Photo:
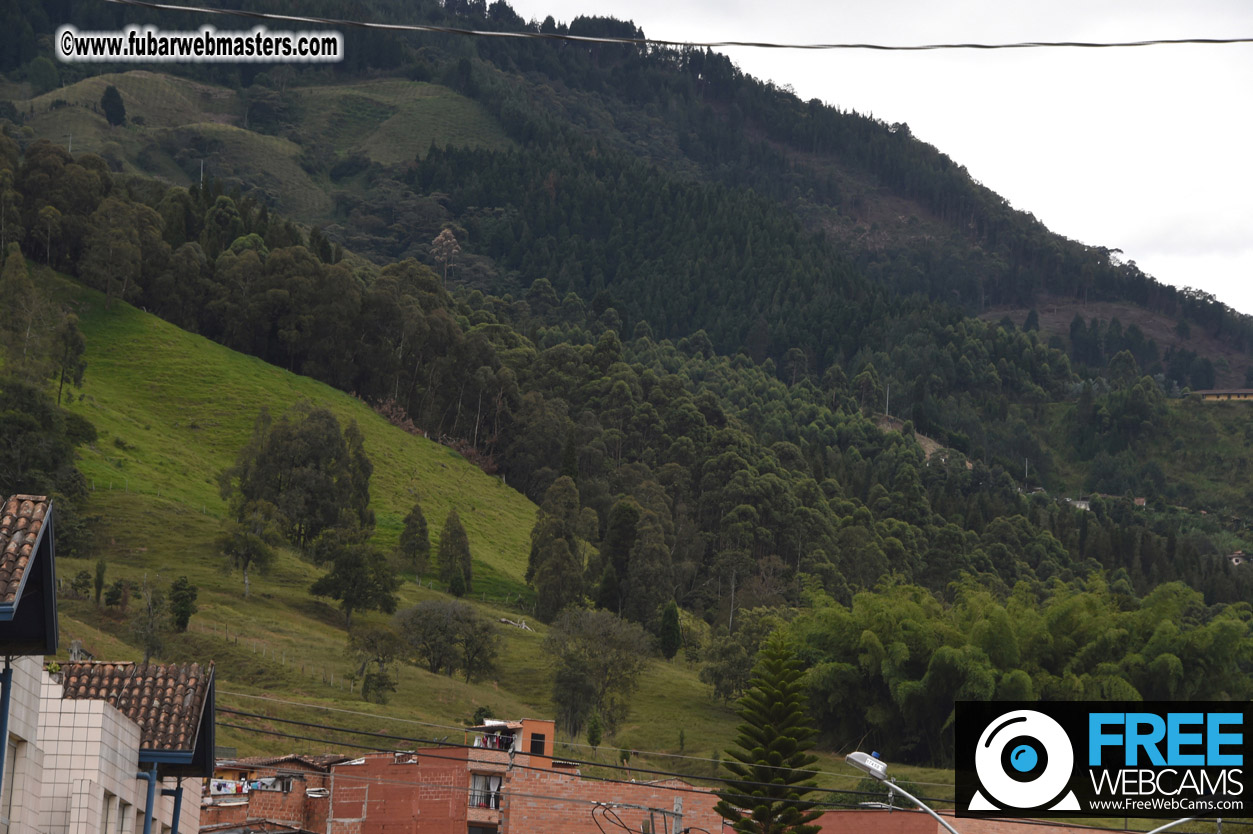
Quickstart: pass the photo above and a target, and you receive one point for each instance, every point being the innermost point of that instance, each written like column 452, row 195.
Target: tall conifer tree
column 454, row 553
column 769, row 766
column 414, row 547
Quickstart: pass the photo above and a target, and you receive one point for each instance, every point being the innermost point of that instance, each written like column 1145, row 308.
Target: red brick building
column 500, row 779
column 268, row 793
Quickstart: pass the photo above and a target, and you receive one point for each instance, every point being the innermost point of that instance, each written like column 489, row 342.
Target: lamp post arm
column 1171, row 824
column 893, row 786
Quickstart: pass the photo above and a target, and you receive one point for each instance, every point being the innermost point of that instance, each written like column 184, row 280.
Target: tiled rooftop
column 22, row 519
column 322, row 761
column 166, row 701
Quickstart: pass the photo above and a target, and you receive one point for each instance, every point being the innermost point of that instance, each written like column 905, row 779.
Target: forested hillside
column 665, row 302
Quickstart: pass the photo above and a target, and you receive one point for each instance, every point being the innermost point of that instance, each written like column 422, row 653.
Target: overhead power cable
column 831, row 792
column 428, row 754
column 571, row 744
column 832, row 802
column 529, row 34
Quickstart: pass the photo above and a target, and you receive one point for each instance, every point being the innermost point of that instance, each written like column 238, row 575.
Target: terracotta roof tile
column 166, row 701
column 322, row 761
column 20, row 523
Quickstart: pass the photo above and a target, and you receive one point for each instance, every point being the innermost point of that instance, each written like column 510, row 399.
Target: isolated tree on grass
column 728, row 665
column 182, row 602
column 770, row 773
column 375, row 648
column 445, row 635
column 595, row 732
column 316, row 474
column 478, row 643
column 414, row 548
column 111, row 104
column 70, row 348
column 118, row 595
column 248, row 542
column 360, row 577
column 670, row 637
column 151, row 621
column 80, row 587
column 429, row 630
column 598, row 658
column 98, row 579
column 454, row 554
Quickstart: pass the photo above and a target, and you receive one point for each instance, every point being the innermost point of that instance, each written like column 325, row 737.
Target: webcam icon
column 1024, row 761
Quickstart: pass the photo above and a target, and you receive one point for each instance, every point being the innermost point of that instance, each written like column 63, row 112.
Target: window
column 485, row 791
column 109, row 801
column 481, row 829
column 537, row 744
column 480, row 791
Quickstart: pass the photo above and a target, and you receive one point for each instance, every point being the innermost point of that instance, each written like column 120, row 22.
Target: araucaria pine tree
column 770, row 765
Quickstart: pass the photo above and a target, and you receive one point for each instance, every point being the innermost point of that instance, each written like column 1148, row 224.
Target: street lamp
column 878, row 768
column 1180, row 822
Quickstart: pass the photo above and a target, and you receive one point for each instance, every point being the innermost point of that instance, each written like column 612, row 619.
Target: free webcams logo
column 1144, row 759
column 1024, row 760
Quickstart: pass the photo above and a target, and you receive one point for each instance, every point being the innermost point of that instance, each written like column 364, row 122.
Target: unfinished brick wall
column 293, row 808
column 428, row 792
column 220, row 815
column 278, row 806
column 396, row 794
column 557, row 803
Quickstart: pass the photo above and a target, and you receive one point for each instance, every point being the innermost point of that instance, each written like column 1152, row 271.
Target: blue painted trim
column 6, row 692
column 10, row 609
column 151, row 776
column 165, row 756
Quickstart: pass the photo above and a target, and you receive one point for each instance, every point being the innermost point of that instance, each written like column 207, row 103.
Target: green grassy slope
column 172, row 409
column 389, row 121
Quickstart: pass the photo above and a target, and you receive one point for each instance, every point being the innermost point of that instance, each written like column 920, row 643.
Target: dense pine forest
column 670, row 312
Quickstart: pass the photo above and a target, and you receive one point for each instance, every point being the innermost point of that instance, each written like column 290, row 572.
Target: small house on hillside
column 1224, row 394
column 268, row 793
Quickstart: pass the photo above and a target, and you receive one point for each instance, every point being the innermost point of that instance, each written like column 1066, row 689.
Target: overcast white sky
column 1145, row 150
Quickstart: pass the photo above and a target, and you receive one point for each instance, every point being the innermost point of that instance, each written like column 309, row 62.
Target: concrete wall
column 91, row 759
column 24, row 769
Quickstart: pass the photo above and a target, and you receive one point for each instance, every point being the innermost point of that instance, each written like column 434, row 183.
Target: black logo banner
column 1102, row 758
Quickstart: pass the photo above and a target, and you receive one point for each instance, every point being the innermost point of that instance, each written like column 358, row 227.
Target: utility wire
column 463, row 729
column 380, row 780
column 602, row 780
column 836, row 797
column 467, row 758
column 529, row 34
column 832, row 803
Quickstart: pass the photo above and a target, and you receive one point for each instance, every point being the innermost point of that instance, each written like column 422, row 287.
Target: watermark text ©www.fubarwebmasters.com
column 147, row 43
